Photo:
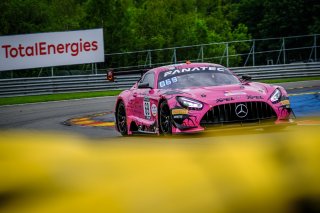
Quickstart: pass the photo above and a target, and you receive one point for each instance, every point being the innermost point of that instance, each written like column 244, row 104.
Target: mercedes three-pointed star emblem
column 241, row 110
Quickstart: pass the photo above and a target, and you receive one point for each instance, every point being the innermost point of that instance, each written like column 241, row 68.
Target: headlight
column 189, row 103
column 276, row 96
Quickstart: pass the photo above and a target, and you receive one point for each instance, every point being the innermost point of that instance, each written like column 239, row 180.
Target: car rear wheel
column 121, row 119
column 165, row 118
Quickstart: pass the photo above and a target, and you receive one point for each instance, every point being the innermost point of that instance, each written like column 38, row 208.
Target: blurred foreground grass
column 50, row 172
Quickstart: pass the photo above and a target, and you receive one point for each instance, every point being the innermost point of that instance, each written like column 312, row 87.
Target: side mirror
column 246, row 78
column 143, row 85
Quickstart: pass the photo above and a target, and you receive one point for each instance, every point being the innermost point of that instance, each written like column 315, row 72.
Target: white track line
column 306, row 93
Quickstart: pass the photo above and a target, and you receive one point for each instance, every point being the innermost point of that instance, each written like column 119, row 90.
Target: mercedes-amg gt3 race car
column 182, row 98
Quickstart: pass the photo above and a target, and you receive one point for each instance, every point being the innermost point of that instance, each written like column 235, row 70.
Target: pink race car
column 182, row 98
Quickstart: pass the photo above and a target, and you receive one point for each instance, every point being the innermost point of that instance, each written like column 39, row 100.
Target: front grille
column 239, row 113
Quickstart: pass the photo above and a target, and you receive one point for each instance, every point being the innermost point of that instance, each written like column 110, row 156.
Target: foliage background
column 148, row 24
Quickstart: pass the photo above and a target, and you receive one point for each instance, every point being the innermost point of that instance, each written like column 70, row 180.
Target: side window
column 149, row 78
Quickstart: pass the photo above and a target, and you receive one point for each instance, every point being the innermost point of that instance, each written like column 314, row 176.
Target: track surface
column 305, row 99
column 51, row 115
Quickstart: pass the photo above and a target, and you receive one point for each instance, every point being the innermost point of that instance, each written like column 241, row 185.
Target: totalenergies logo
column 43, row 48
column 51, row 49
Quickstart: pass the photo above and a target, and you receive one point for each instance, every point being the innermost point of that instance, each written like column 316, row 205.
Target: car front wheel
column 121, row 119
column 165, row 118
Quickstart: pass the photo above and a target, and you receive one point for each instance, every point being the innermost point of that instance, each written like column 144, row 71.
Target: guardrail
column 63, row 84
column 279, row 71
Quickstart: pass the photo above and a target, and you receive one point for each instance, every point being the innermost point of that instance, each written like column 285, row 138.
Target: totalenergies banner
column 51, row 49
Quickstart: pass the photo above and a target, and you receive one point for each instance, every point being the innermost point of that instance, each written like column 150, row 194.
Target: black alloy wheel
column 121, row 119
column 165, row 118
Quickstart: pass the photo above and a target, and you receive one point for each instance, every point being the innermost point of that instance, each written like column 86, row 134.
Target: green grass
column 55, row 97
column 78, row 95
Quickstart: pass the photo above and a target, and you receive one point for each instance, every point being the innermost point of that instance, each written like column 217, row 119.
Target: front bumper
column 259, row 114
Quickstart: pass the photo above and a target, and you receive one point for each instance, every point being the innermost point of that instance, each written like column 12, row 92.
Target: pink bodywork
column 209, row 96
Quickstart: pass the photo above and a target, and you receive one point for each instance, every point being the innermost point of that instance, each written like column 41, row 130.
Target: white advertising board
column 51, row 49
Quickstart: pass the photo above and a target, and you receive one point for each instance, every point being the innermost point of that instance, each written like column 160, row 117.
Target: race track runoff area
column 233, row 171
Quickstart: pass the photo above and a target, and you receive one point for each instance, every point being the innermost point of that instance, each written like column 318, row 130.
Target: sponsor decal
column 224, row 99
column 154, row 110
column 285, row 102
column 179, row 116
column 254, row 97
column 44, row 48
column 232, row 93
column 179, row 111
column 51, row 49
column 146, row 108
column 167, row 82
column 192, row 69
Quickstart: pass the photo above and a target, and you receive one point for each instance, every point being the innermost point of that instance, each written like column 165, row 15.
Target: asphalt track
column 93, row 117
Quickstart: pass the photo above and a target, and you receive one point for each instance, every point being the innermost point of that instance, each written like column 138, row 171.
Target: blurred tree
column 66, row 14
column 117, row 17
column 283, row 18
column 23, row 16
column 268, row 18
column 131, row 25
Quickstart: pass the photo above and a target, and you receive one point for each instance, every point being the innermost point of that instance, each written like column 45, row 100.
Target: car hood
column 226, row 93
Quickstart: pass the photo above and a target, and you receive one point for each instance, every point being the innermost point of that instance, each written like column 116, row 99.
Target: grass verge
column 56, row 97
column 79, row 95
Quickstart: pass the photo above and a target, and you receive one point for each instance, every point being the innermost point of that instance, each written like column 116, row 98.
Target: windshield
column 196, row 77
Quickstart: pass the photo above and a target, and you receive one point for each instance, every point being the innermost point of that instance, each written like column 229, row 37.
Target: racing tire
column 121, row 119
column 165, row 122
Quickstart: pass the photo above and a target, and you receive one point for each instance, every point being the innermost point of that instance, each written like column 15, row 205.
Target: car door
column 145, row 101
